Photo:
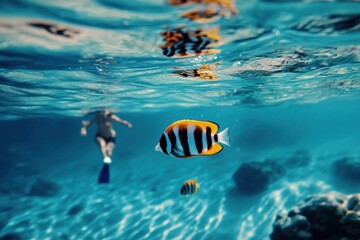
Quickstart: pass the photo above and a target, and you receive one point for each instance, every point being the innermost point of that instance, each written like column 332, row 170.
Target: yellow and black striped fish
column 182, row 43
column 202, row 16
column 186, row 138
column 204, row 72
column 224, row 4
column 189, row 187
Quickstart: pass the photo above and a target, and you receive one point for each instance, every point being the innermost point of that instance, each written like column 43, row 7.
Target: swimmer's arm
column 119, row 120
column 86, row 124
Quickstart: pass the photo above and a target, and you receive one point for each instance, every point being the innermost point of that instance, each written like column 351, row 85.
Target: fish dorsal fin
column 216, row 148
column 203, row 124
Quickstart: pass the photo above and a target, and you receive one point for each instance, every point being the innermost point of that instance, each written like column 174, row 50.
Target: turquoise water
column 285, row 79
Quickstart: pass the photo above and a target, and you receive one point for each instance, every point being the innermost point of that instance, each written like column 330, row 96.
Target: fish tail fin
column 104, row 176
column 158, row 148
column 223, row 137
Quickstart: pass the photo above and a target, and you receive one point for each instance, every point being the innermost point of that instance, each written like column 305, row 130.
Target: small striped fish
column 189, row 187
column 186, row 138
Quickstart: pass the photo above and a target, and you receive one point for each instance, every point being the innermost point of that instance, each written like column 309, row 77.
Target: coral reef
column 347, row 168
column 43, row 188
column 329, row 216
column 255, row 177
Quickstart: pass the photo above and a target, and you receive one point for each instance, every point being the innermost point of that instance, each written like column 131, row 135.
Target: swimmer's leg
column 110, row 147
column 104, row 176
column 102, row 145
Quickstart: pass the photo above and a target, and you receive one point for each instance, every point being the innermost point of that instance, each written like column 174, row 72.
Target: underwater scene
column 180, row 119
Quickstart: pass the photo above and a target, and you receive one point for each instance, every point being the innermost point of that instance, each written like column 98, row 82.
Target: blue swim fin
column 104, row 176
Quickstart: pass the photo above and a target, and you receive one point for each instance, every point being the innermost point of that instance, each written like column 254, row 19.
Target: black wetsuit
column 107, row 139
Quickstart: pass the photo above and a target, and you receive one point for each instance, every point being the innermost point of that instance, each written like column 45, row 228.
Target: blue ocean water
column 285, row 79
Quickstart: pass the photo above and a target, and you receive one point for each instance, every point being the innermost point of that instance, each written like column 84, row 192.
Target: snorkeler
column 105, row 135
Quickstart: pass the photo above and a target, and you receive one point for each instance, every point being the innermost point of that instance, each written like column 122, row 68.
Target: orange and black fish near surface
column 186, row 138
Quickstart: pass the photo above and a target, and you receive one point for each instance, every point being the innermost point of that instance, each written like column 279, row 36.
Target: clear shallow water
column 143, row 200
column 287, row 79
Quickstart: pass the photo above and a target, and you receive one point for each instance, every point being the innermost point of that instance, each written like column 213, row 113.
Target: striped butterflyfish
column 189, row 187
column 186, row 138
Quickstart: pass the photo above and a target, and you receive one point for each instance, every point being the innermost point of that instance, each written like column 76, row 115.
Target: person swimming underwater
column 105, row 135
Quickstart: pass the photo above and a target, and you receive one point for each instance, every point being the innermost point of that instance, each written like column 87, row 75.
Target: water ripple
column 56, row 56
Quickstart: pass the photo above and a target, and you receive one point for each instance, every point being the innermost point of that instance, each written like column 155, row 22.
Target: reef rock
column 75, row 209
column 255, row 177
column 10, row 236
column 43, row 188
column 347, row 168
column 327, row 217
